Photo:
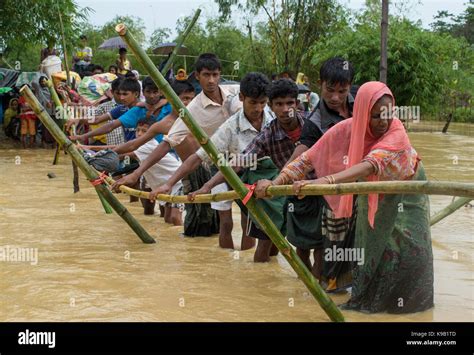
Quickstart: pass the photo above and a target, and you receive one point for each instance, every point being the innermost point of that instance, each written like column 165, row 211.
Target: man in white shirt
column 230, row 139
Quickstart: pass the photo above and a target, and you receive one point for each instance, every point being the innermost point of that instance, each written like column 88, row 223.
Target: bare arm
column 155, row 156
column 354, row 173
column 187, row 167
column 156, row 128
column 99, row 119
column 109, row 127
column 300, row 149
column 96, row 147
column 134, row 144
column 215, row 180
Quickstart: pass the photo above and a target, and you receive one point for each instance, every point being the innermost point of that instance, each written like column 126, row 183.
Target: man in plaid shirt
column 277, row 140
column 115, row 137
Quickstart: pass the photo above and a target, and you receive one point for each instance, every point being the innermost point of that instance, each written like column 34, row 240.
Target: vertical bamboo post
column 180, row 42
column 451, row 208
column 262, row 218
column 59, row 112
column 68, row 78
column 90, row 173
column 383, row 42
column 63, row 116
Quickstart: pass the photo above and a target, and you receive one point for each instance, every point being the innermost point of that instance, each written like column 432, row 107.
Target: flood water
column 92, row 267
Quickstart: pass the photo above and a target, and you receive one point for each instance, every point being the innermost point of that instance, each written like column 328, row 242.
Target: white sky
column 164, row 13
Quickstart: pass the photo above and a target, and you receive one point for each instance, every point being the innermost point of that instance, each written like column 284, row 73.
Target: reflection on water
column 91, row 267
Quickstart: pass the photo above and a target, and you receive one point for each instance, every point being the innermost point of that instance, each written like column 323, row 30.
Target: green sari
column 397, row 273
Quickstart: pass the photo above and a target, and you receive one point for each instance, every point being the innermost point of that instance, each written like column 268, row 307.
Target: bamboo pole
column 60, row 113
column 451, row 208
column 359, row 188
column 75, row 177
column 383, row 42
column 90, row 173
column 262, row 218
column 68, row 77
column 180, row 42
column 63, row 116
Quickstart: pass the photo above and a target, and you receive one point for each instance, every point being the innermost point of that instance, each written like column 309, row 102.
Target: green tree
column 133, row 23
column 38, row 21
column 423, row 67
column 27, row 26
column 458, row 26
column 160, row 35
column 292, row 27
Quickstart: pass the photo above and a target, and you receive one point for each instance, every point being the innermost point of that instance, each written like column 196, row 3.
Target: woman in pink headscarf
column 394, row 272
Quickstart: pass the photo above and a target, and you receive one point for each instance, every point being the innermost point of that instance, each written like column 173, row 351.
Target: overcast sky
column 164, row 13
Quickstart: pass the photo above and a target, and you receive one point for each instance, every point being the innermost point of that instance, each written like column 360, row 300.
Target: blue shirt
column 131, row 118
column 117, row 112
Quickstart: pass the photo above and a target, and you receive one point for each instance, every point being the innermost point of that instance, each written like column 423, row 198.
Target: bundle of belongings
column 104, row 160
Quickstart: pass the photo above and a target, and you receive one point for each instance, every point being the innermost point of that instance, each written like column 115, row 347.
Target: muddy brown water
column 91, row 267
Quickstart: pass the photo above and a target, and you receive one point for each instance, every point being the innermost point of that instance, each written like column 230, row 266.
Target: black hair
column 100, row 67
column 122, row 50
column 180, row 87
column 146, row 121
column 83, row 37
column 254, row 85
column 116, row 84
column 282, row 88
column 128, row 84
column 41, row 78
column 336, row 70
column 148, row 83
column 113, row 66
column 208, row 61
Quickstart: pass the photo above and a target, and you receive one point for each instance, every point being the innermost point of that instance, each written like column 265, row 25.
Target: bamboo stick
column 451, row 208
column 90, row 173
column 68, row 77
column 262, row 218
column 359, row 188
column 59, row 112
column 75, row 177
column 180, row 42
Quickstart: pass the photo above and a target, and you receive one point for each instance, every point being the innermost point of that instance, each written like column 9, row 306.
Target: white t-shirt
column 160, row 172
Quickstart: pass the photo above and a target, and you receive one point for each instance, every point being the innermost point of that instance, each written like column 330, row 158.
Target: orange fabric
column 349, row 141
column 28, row 126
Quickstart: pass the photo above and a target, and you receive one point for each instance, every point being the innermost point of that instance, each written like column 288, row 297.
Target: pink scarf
column 349, row 141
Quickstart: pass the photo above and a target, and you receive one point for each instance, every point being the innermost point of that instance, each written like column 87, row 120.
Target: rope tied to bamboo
column 101, row 179
column 250, row 193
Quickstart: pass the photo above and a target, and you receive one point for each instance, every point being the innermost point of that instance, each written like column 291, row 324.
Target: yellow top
column 126, row 64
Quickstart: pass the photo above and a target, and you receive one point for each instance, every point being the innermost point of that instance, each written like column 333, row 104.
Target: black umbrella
column 167, row 48
column 303, row 89
column 113, row 43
